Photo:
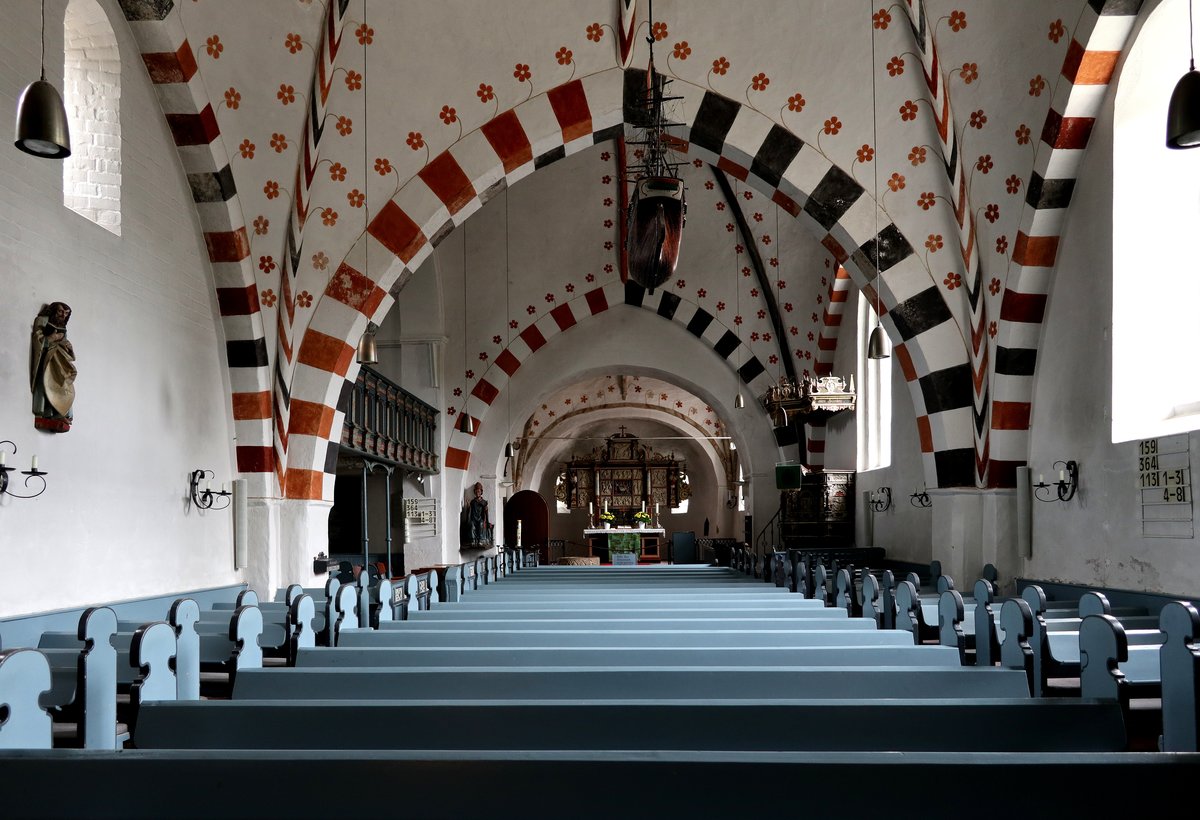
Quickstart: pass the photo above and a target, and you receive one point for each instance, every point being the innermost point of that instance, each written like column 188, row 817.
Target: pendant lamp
column 368, row 353
column 41, row 116
column 1183, row 114
column 877, row 346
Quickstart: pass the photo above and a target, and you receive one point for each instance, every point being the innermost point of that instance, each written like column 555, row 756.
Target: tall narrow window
column 92, row 94
column 1155, row 277
column 874, row 427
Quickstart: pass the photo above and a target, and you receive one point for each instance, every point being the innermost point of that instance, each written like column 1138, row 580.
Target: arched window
column 874, row 408
column 92, row 94
column 1156, row 207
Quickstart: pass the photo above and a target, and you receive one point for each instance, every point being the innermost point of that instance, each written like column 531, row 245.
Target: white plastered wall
column 151, row 406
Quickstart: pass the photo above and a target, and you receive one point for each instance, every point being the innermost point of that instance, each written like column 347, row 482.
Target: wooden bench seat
column 494, row 656
column 625, row 638
column 588, row 683
column 1000, row 725
column 506, row 624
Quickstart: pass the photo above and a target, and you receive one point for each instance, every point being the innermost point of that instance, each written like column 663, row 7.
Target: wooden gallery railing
column 387, row 421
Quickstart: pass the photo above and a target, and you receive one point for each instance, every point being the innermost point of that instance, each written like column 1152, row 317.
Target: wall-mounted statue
column 52, row 369
column 479, row 522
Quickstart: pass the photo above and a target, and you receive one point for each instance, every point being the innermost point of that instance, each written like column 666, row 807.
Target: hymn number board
column 1164, row 485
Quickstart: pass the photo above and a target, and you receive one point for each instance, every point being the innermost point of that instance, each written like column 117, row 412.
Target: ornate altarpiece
column 625, row 473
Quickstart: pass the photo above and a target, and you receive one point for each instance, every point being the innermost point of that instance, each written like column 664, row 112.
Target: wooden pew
column 559, row 683
column 633, row 622
column 627, row 638
column 996, row 725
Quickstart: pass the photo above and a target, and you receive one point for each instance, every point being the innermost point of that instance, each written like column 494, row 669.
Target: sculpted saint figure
column 52, row 369
column 478, row 521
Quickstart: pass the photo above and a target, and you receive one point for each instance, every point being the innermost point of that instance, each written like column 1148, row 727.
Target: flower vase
column 608, row 525
column 641, row 525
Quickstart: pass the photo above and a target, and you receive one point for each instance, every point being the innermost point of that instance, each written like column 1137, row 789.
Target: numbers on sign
column 1147, row 463
column 1148, row 447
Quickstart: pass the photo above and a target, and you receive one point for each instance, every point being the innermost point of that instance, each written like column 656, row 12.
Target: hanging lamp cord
column 1191, row 39
column 875, row 165
column 43, row 40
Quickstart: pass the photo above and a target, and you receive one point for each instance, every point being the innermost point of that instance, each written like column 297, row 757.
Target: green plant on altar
column 642, row 516
column 607, row 516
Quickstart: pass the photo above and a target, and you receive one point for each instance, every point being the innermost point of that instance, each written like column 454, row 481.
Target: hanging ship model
column 657, row 206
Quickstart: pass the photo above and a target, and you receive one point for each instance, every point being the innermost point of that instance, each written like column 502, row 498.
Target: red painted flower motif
column 773, row 261
column 320, row 261
column 747, row 195
column 293, row 43
column 1056, row 31
column 337, row 172
column 1022, row 134
column 720, row 66
column 958, row 20
column 787, row 306
column 514, row 324
column 746, row 271
column 754, row 336
column 895, row 66
column 485, row 93
column 926, row 200
column 383, row 166
column 881, row 19
column 908, row 111
column 344, row 125
column 832, row 126
column 594, row 32
column 268, row 298
column 782, row 284
column 458, row 391
column 232, row 98
column 994, row 286
column 608, row 223
column 606, row 180
column 773, row 359
column 984, row 163
column 758, row 217
column 564, row 56
column 682, row 50
column 266, row 264
column 934, row 242
column 356, row 198
column 608, row 201
column 214, row 46
column 304, row 299
column 549, row 297
column 814, row 317
column 521, row 72
column 659, row 31
column 737, row 320
column 760, row 81
column 729, row 227
column 969, row 72
column 992, row 212
column 483, row 357
column 415, row 140
column 720, row 306
column 570, row 288
column 1013, row 184
column 865, row 154
column 286, row 94
column 720, row 206
column 1036, row 86
column 608, row 245
column 992, row 329
column 261, row 225
column 811, row 336
column 952, row 280
column 762, row 314
column 754, row 293
column 766, row 337
column 365, row 34
column 354, row 80
column 681, row 283
column 737, row 248
column 246, row 149
column 279, row 142
column 271, row 189
column 605, row 156
column 794, row 330
column 530, row 309
column 978, row 119
column 1001, row 244
column 701, row 293
column 896, row 182
column 796, row 102
column 329, row 216
column 470, row 374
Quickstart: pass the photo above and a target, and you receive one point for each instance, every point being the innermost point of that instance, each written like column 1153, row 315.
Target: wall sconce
column 205, row 498
column 881, row 499
column 1064, row 488
column 31, row 473
column 920, row 499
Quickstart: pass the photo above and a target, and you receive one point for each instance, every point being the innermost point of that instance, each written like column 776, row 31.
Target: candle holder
column 920, row 499
column 32, row 473
column 1064, row 488
column 881, row 499
column 206, row 499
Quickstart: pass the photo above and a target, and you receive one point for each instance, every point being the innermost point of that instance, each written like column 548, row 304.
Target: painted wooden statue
column 52, row 369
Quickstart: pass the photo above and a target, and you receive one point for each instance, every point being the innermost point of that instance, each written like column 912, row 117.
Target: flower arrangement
column 643, row 516
column 607, row 516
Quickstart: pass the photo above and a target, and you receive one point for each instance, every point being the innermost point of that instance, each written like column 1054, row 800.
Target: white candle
column 643, row 506
column 1041, row 478
column 606, row 505
column 589, row 508
column 208, row 486
column 656, row 509
column 33, row 463
column 1062, row 475
column 224, row 488
column 518, row 532
column 3, row 457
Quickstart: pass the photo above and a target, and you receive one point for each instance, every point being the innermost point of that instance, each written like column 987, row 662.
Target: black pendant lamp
column 41, row 116
column 877, row 345
column 1183, row 115
column 368, row 352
